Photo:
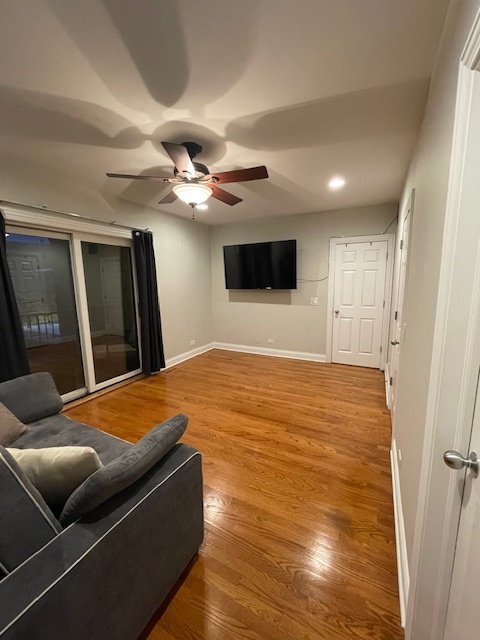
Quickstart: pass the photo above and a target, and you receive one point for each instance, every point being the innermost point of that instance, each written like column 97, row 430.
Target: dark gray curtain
column 153, row 358
column 13, row 353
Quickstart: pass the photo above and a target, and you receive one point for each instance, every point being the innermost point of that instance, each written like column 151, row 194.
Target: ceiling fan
column 193, row 181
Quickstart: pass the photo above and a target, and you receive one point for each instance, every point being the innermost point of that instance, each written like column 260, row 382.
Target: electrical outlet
column 257, row 340
column 270, row 341
column 192, row 343
column 313, row 302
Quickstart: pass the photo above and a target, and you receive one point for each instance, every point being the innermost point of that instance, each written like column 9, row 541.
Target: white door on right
column 463, row 614
column 358, row 302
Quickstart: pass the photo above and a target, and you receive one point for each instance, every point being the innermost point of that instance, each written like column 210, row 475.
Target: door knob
column 337, row 311
column 394, row 342
column 456, row 461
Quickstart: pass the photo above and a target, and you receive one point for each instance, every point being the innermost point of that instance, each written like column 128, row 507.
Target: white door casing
column 359, row 278
column 399, row 326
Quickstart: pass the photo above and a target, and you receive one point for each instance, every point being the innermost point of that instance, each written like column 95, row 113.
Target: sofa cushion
column 57, row 471
column 31, row 397
column 124, row 471
column 60, row 431
column 27, row 522
column 10, row 426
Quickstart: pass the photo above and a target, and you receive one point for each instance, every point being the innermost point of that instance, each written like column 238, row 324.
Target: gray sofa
column 103, row 576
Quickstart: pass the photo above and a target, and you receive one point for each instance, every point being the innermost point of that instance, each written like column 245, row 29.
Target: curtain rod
column 44, row 207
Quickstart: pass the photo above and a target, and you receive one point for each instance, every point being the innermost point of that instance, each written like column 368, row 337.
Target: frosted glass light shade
column 192, row 192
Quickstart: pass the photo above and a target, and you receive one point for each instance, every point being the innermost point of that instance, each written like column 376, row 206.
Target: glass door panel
column 111, row 309
column 41, row 273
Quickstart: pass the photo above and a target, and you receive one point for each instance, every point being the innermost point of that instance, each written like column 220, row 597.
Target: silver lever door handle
column 394, row 342
column 456, row 461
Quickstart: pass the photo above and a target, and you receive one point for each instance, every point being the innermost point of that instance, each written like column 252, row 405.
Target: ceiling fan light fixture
column 192, row 193
column 202, row 206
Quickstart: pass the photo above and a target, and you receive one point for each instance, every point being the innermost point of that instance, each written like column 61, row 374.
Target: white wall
column 182, row 249
column 428, row 174
column 240, row 317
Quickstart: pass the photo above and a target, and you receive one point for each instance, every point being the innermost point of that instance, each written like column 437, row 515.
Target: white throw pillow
column 57, row 471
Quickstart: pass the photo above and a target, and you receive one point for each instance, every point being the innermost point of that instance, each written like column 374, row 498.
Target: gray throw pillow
column 125, row 470
column 10, row 426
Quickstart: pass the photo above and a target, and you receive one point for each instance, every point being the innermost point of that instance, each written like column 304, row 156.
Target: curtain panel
column 153, row 358
column 13, row 353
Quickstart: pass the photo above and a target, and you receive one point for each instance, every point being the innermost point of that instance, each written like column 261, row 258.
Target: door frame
column 81, row 287
column 396, row 307
column 22, row 220
column 387, row 296
column 450, row 407
column 45, row 232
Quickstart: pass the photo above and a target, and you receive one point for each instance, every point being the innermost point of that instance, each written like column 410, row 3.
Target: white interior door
column 24, row 271
column 358, row 302
column 438, row 607
column 463, row 612
column 463, row 617
column 399, row 325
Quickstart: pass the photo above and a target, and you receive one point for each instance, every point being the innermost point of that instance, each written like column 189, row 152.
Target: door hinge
column 391, row 381
column 401, row 244
column 381, row 348
column 387, row 256
column 396, row 315
column 384, row 304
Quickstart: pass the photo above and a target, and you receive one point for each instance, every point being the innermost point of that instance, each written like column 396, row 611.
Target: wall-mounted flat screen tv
column 262, row 265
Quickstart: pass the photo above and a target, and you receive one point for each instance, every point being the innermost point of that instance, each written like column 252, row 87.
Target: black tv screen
column 263, row 265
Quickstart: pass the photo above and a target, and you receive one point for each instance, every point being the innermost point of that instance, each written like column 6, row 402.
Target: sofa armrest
column 105, row 575
column 31, row 397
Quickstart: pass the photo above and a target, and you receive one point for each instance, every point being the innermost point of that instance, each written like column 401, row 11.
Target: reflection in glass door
column 111, row 309
column 40, row 266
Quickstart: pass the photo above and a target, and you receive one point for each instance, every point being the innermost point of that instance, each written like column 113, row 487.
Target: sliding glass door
column 40, row 267
column 111, row 309
column 77, row 302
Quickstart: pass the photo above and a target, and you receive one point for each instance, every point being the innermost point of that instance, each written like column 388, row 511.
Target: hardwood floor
column 299, row 540
column 112, row 356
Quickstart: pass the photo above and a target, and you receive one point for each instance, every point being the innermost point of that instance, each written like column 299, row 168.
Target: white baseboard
column 402, row 558
column 278, row 353
column 171, row 362
column 265, row 351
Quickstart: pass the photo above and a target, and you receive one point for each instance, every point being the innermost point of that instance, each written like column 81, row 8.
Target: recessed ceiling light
column 337, row 183
column 201, row 206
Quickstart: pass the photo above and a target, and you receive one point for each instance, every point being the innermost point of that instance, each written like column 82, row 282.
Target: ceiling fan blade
column 170, row 197
column 224, row 196
column 130, row 177
column 240, row 175
column 180, row 157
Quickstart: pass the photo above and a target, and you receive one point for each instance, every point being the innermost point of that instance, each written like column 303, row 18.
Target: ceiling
column 311, row 89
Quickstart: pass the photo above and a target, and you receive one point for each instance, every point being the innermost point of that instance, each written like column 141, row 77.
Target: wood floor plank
column 299, row 541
